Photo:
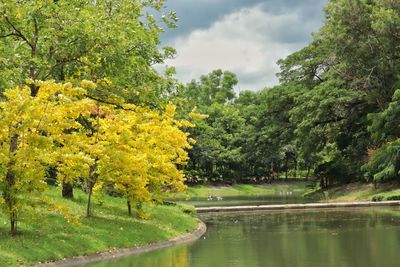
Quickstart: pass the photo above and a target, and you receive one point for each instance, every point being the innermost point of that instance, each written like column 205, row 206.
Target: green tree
column 217, row 153
column 216, row 87
column 82, row 39
column 384, row 156
column 116, row 42
column 347, row 72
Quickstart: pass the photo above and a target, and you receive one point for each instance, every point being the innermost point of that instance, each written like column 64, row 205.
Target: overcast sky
column 246, row 37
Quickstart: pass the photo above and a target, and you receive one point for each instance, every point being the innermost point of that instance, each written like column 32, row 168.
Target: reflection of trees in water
column 329, row 238
column 356, row 237
column 170, row 257
column 317, row 220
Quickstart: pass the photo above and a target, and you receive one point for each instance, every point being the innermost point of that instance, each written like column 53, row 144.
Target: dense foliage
column 89, row 109
column 134, row 149
column 334, row 115
column 84, row 39
column 101, row 120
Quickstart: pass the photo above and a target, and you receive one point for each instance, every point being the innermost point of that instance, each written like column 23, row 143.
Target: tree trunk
column 89, row 202
column 10, row 183
column 209, row 169
column 295, row 168
column 67, row 190
column 13, row 223
column 322, row 182
column 10, row 201
column 92, row 180
column 34, row 89
column 286, row 167
column 129, row 208
column 278, row 169
column 308, row 172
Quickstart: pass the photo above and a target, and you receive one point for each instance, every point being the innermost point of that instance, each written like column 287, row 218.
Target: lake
column 363, row 237
column 248, row 200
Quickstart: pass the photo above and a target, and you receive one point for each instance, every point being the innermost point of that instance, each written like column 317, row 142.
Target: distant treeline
column 335, row 115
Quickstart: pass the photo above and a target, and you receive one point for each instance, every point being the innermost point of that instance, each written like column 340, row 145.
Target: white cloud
column 247, row 42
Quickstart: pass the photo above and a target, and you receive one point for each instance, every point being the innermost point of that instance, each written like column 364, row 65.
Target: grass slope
column 357, row 192
column 201, row 191
column 50, row 237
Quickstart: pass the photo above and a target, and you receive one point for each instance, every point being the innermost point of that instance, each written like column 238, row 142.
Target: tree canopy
column 88, row 103
column 83, row 39
column 334, row 111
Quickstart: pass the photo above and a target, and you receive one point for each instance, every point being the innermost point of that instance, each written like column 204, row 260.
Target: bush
column 187, row 209
column 168, row 203
column 394, row 197
column 195, row 177
column 377, row 198
column 314, row 195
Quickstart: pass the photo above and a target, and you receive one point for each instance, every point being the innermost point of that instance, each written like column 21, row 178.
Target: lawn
column 49, row 236
column 357, row 192
column 202, row 191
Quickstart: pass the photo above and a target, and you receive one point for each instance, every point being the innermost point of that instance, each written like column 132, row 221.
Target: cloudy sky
column 246, row 37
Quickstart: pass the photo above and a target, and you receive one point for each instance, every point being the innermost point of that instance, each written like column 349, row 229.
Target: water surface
column 248, row 200
column 329, row 238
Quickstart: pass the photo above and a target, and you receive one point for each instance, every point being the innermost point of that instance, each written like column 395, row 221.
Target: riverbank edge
column 125, row 252
column 298, row 206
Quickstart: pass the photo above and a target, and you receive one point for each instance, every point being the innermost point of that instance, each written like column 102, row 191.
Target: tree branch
column 36, row 35
column 18, row 32
column 8, row 35
column 103, row 101
column 116, row 105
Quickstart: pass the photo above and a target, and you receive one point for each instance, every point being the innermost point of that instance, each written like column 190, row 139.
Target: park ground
column 357, row 192
column 341, row 193
column 238, row 190
column 48, row 236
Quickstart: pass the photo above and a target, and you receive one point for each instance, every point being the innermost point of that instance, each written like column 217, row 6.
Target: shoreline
column 125, row 252
column 201, row 229
column 332, row 205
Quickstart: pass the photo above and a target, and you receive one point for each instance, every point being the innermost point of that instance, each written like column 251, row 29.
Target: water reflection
column 363, row 237
column 172, row 257
column 248, row 200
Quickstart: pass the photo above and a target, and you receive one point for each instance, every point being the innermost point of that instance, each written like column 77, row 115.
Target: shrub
column 188, row 209
column 394, row 197
column 377, row 198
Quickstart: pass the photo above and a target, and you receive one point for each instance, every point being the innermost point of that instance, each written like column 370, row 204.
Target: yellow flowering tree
column 152, row 147
column 30, row 131
column 136, row 149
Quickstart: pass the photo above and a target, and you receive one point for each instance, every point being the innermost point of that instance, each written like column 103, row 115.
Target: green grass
column 388, row 195
column 200, row 191
column 49, row 237
column 357, row 192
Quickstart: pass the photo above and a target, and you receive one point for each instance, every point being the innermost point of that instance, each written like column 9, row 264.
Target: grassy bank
column 343, row 193
column 201, row 191
column 358, row 192
column 49, row 237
